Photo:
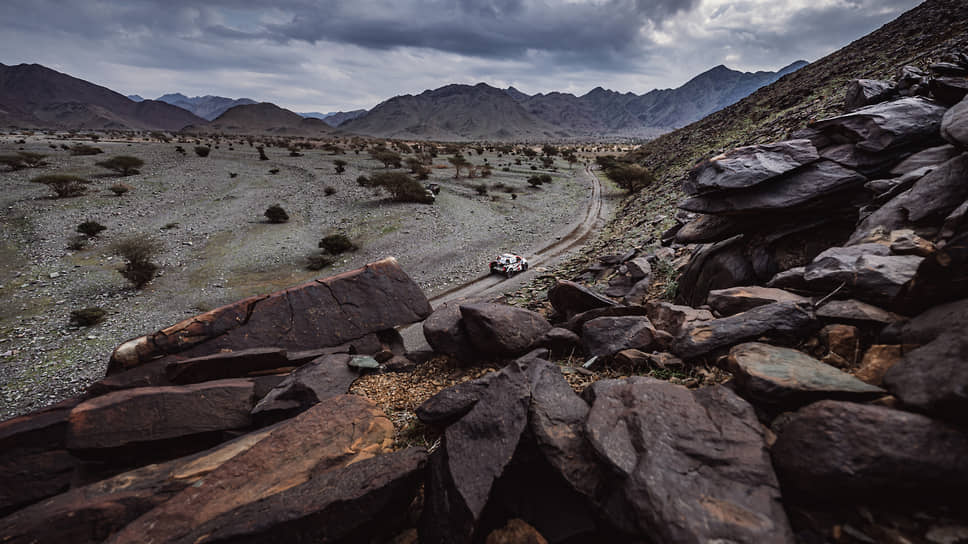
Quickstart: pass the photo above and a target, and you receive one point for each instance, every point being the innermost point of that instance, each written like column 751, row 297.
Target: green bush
column 63, row 185
column 401, row 187
column 318, row 262
column 202, row 151
column 124, row 165
column 90, row 228
column 336, row 244
column 120, row 188
column 88, row 317
column 481, row 189
column 77, row 242
column 275, row 214
column 329, row 190
column 630, row 177
column 137, row 251
column 82, row 149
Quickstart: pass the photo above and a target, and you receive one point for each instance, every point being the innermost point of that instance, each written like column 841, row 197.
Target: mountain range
column 35, row 96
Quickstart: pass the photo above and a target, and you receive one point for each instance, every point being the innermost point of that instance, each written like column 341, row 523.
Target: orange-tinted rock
column 517, row 531
column 877, row 361
column 320, row 313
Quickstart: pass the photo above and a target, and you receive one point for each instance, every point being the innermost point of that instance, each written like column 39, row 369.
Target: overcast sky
column 345, row 54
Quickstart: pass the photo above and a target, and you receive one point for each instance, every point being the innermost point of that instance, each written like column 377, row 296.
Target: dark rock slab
column 559, row 340
column 950, row 69
column 930, row 199
column 867, row 163
column 855, row 311
column 791, row 191
column 337, row 432
column 745, row 167
column 320, row 313
column 673, row 318
column 92, row 513
column 868, row 271
column 606, row 336
column 785, row 379
column 846, row 450
column 474, row 453
column 941, row 276
column 444, row 331
column 715, row 266
column 452, row 403
column 864, row 92
column 933, row 156
column 934, row 378
column 948, row 90
column 569, row 298
column 722, row 488
column 363, row 502
column 502, row 330
column 954, row 127
column 578, row 321
column 740, row 299
column 639, row 268
column 709, row 228
column 791, row 279
column 320, row 379
column 233, row 364
column 779, row 318
column 888, row 125
column 149, row 414
column 151, row 374
column 930, row 324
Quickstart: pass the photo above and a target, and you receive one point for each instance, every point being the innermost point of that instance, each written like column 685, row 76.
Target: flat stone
column 723, row 485
column 560, row 340
column 794, row 190
column 934, row 378
column 335, row 433
column 949, row 90
column 452, row 403
column 867, row 163
column 887, row 125
column 735, row 300
column 606, row 336
column 318, row 380
column 578, row 321
column 785, row 379
column 320, row 313
column 234, row 364
column 639, row 268
column 855, row 311
column 502, row 330
column 779, row 318
column 867, row 270
column 707, row 229
column 930, row 157
column 858, row 451
column 954, row 127
column 673, row 318
column 748, row 166
column 149, row 414
column 569, row 298
column 864, row 92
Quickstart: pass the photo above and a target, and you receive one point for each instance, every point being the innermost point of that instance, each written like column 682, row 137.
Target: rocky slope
column 261, row 118
column 207, row 107
column 33, row 95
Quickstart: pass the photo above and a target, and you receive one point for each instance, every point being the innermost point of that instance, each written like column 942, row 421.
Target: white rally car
column 509, row 264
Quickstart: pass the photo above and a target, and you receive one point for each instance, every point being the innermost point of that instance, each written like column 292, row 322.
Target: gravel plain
column 218, row 247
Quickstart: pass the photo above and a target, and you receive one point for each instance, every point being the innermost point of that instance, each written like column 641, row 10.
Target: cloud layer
column 339, row 54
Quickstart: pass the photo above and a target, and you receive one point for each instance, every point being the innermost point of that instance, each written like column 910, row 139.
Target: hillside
column 264, row 117
column 920, row 36
column 453, row 112
column 207, row 107
column 33, row 95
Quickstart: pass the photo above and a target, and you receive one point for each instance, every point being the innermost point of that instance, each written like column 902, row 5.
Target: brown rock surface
column 569, row 298
column 232, row 364
column 502, row 330
column 878, row 359
column 335, row 433
column 779, row 318
column 739, row 299
column 320, row 313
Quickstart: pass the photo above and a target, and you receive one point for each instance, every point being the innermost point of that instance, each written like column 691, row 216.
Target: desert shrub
column 63, row 185
column 91, row 228
column 233, row 175
column 88, row 317
column 124, row 165
column 13, row 162
column 363, row 181
column 340, row 165
column 77, row 242
column 273, row 171
column 82, row 149
column 137, row 251
column 169, row 226
column 336, row 244
column 318, row 262
column 32, row 160
column 506, row 169
column 262, row 153
column 535, row 181
column 401, row 187
column 202, row 151
column 514, row 196
column 329, row 190
column 630, row 177
column 545, row 178
column 275, row 214
column 481, row 189
column 387, row 157
column 120, row 188
column 293, row 152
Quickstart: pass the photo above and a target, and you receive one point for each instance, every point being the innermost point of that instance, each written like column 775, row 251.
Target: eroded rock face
column 723, row 487
column 320, row 313
column 335, row 433
column 784, row 379
column 888, row 125
column 934, row 378
column 848, row 450
column 501, row 330
column 748, row 166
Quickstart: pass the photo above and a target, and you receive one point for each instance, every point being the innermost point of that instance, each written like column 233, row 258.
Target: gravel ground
column 219, row 248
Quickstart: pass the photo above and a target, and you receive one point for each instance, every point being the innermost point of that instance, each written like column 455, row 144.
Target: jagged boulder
column 502, row 330
column 777, row 319
column 864, row 92
column 715, row 266
column 855, row 311
column 930, row 158
column 642, row 428
column 606, row 336
column 232, row 364
column 948, row 90
column 847, row 450
column 868, row 271
column 735, row 300
column 934, row 378
column 745, row 167
column 569, row 298
column 954, row 127
column 444, row 331
column 320, row 313
column 335, row 433
column 785, row 379
column 887, row 126
column 320, row 379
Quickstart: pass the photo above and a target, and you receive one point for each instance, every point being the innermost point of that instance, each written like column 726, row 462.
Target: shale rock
column 835, row 449
column 779, row 318
column 954, row 127
column 739, row 299
column 934, row 378
column 785, row 379
column 335, row 433
column 748, row 166
column 716, row 266
column 855, row 311
column 569, row 298
column 606, row 336
column 325, row 312
column 724, row 486
column 888, row 125
column 867, row 270
column 578, row 321
column 452, row 403
column 928, row 158
column 234, row 364
column 318, row 380
column 502, row 330
column 948, row 90
column 864, row 92
column 444, row 331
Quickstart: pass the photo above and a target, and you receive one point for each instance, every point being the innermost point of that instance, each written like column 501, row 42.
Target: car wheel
column 524, row 268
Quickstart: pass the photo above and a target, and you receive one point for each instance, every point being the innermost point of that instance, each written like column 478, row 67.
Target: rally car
column 509, row 264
